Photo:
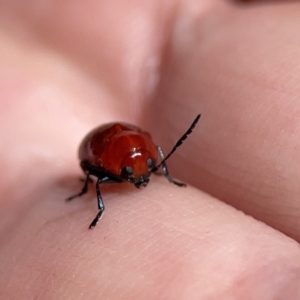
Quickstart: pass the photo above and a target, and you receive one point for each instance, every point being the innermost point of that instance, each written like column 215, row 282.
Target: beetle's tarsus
column 96, row 220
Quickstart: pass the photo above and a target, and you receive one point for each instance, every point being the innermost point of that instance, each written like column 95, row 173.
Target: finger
column 238, row 189
column 117, row 46
column 162, row 242
column 241, row 73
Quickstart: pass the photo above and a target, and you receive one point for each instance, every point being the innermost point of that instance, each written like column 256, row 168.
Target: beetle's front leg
column 101, row 206
column 165, row 169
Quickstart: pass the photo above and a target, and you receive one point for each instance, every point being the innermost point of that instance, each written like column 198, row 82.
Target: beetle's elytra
column 117, row 152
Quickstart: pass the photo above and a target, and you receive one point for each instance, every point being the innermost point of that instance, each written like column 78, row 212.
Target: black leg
column 165, row 169
column 82, row 179
column 85, row 171
column 84, row 188
column 101, row 206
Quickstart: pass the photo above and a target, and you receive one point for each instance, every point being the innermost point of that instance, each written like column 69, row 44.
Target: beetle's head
column 136, row 168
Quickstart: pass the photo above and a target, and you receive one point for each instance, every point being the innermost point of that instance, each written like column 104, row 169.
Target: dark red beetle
column 117, row 152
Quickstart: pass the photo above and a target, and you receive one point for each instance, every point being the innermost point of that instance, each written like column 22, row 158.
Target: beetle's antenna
column 180, row 141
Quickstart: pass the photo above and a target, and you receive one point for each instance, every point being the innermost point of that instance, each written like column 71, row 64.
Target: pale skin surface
column 66, row 68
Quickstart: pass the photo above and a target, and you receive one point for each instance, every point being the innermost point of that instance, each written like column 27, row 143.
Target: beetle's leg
column 83, row 179
column 165, row 169
column 101, row 206
column 84, row 188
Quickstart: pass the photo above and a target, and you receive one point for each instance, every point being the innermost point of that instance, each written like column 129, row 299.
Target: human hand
column 68, row 67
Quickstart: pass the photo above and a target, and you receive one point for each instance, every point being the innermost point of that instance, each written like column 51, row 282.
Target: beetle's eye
column 127, row 173
column 129, row 170
column 150, row 162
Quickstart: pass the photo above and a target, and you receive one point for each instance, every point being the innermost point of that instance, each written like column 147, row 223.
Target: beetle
column 118, row 152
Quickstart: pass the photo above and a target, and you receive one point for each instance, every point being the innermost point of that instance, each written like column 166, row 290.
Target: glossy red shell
column 114, row 146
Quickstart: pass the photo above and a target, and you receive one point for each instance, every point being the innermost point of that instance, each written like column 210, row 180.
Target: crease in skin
column 168, row 37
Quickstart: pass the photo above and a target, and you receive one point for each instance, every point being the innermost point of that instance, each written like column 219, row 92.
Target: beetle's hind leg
column 165, row 171
column 83, row 179
column 84, row 189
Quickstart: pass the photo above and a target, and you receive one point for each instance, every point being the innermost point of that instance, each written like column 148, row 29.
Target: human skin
column 67, row 67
